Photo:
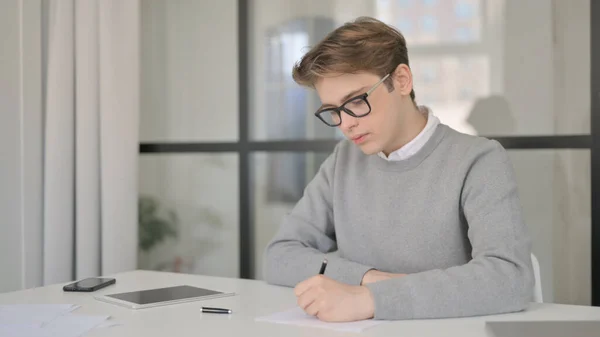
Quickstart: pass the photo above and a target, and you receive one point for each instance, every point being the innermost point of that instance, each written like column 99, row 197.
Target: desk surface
column 253, row 299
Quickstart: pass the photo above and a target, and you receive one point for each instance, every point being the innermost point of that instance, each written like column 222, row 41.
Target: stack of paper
column 40, row 320
column 297, row 316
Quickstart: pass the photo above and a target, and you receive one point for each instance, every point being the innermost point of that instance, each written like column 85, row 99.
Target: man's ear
column 403, row 80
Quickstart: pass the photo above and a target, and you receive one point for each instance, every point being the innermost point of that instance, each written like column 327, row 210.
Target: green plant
column 153, row 229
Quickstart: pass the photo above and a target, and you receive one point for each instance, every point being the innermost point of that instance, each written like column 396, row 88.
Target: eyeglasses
column 357, row 106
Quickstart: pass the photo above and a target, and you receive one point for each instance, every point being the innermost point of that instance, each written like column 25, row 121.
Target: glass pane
column 555, row 190
column 466, row 57
column 278, row 183
column 189, row 214
column 554, row 186
column 430, row 22
column 189, row 71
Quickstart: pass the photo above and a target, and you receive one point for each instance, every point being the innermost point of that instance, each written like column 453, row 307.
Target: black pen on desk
column 323, row 266
column 216, row 310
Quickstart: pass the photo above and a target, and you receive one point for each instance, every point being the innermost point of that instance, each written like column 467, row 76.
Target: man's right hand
column 374, row 275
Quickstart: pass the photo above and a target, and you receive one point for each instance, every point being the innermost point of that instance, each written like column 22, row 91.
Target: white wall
column 548, row 93
column 190, row 93
column 189, row 70
column 20, row 145
column 529, row 76
column 572, row 217
column 11, row 249
column 528, row 89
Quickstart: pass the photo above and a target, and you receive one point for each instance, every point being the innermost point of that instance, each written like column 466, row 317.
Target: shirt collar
column 419, row 141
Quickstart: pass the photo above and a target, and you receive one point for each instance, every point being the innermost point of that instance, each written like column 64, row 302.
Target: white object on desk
column 33, row 314
column 256, row 299
column 63, row 326
column 296, row 316
column 41, row 320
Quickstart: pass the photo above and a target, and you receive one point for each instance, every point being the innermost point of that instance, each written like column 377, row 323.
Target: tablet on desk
column 162, row 296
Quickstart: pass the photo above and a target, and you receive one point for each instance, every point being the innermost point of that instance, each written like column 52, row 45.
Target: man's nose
column 348, row 122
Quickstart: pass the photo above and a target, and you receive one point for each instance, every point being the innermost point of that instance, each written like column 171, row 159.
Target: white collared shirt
column 418, row 142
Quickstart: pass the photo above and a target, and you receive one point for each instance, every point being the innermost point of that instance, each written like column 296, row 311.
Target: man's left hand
column 333, row 301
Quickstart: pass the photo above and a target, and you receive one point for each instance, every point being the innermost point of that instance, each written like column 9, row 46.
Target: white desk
column 255, row 298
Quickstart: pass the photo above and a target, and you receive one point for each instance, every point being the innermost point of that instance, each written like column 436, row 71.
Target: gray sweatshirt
column 449, row 217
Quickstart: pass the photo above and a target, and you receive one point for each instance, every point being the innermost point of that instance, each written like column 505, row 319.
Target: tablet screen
column 163, row 294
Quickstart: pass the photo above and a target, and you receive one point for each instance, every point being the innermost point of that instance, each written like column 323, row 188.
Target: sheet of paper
column 297, row 316
column 64, row 326
column 33, row 314
column 45, row 320
column 73, row 325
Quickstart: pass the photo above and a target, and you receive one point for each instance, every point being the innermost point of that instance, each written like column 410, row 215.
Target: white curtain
column 91, row 105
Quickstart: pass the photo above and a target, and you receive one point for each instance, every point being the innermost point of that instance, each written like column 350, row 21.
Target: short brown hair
column 365, row 44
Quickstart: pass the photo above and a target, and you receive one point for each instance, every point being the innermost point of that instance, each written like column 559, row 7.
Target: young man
column 426, row 221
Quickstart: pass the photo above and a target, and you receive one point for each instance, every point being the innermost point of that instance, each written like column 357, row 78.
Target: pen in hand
column 323, row 266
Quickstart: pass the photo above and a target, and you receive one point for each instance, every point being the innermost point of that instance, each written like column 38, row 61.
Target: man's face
column 374, row 132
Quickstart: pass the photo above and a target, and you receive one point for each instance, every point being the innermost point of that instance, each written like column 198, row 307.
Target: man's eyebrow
column 346, row 97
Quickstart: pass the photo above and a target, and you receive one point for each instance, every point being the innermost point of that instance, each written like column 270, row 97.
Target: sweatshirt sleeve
column 498, row 278
column 305, row 236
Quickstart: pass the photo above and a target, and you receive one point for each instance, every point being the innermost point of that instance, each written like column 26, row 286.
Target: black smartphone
column 90, row 284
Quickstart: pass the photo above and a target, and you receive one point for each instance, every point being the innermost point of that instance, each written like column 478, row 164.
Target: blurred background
column 227, row 141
